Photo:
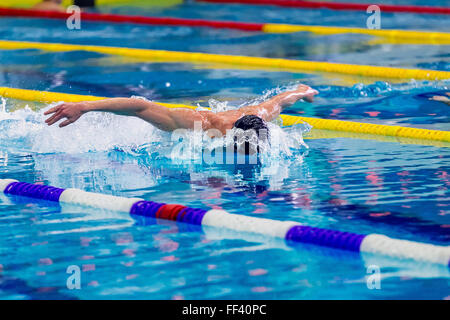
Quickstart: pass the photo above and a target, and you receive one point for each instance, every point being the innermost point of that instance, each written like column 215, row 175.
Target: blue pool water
column 349, row 184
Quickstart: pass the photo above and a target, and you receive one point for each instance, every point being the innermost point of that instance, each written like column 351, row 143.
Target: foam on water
column 27, row 130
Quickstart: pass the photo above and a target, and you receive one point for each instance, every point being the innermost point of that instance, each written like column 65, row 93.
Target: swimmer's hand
column 306, row 92
column 71, row 111
column 288, row 98
column 441, row 98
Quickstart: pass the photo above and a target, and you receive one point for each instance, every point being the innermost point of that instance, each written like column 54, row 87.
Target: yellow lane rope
column 402, row 36
column 288, row 120
column 330, row 134
column 264, row 63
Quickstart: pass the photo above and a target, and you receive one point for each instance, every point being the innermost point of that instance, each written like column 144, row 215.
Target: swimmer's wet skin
column 246, row 118
column 443, row 99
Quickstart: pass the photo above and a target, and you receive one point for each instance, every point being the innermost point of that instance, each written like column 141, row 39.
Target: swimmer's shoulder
column 221, row 121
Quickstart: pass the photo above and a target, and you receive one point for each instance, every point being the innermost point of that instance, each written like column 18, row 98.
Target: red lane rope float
column 169, row 211
column 339, row 6
column 87, row 16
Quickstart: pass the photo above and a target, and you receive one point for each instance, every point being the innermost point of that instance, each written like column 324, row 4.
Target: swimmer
column 49, row 5
column 443, row 99
column 246, row 118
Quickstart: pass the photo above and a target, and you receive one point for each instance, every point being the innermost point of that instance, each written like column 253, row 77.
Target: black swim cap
column 248, row 123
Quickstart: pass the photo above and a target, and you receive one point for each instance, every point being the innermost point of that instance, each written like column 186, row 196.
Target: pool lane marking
column 234, row 60
column 291, row 231
column 288, row 120
column 339, row 6
column 144, row 20
column 402, row 36
column 332, row 134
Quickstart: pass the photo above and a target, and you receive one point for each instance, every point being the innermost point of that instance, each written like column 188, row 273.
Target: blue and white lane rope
column 288, row 230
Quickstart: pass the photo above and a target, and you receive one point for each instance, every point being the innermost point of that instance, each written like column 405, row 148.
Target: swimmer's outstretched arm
column 443, row 99
column 271, row 109
column 161, row 117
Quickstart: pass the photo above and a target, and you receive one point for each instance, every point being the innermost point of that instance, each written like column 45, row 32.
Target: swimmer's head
column 252, row 134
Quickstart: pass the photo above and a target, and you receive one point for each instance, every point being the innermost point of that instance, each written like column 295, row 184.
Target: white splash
column 96, row 131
